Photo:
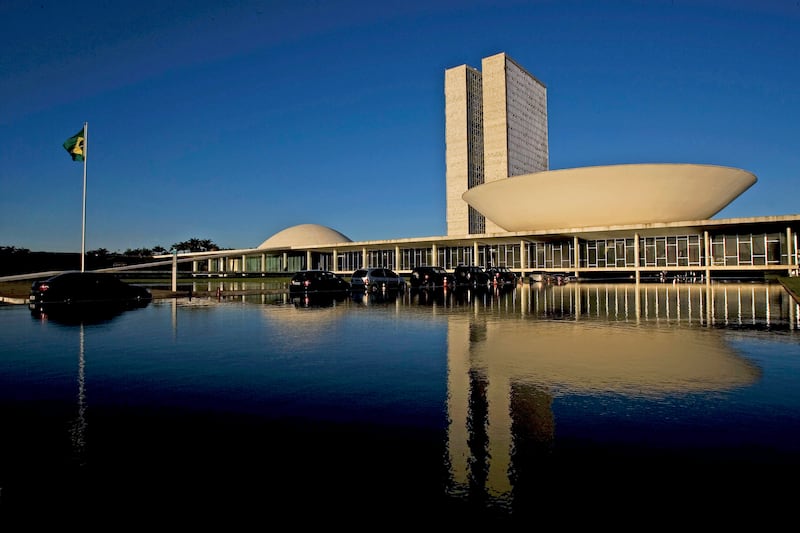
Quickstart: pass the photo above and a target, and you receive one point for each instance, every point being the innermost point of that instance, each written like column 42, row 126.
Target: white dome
column 304, row 235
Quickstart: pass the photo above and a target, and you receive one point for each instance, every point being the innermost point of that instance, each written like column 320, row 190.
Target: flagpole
column 83, row 218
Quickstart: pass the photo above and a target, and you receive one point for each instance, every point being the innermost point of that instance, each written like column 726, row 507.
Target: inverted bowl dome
column 608, row 195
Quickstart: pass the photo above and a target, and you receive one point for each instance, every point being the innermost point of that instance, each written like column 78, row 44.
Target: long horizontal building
column 725, row 248
column 505, row 207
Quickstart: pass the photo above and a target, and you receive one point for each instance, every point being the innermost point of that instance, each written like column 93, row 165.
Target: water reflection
column 78, row 428
column 753, row 305
column 96, row 313
column 505, row 375
column 504, row 395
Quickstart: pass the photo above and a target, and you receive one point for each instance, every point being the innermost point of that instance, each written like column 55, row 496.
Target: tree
column 195, row 245
column 158, row 250
column 12, row 250
column 139, row 252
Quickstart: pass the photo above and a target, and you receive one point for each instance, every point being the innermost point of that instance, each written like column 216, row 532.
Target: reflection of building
column 505, row 207
column 504, row 376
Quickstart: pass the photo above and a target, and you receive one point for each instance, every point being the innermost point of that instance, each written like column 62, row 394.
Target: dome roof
column 304, row 235
column 608, row 195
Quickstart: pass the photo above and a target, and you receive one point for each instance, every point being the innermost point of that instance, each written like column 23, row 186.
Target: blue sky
column 232, row 120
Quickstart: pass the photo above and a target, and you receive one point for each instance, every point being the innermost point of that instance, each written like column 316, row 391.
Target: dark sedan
column 471, row 276
column 82, row 291
column 305, row 282
column 431, row 276
column 502, row 275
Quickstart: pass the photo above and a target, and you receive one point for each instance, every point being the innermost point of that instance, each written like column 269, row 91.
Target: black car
column 471, row 276
column 305, row 282
column 501, row 275
column 85, row 291
column 431, row 276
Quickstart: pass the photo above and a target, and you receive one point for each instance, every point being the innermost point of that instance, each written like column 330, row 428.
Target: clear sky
column 233, row 120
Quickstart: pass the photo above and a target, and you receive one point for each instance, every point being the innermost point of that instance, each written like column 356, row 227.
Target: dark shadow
column 76, row 314
column 375, row 297
column 430, row 296
column 318, row 299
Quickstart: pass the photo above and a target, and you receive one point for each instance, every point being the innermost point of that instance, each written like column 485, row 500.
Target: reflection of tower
column 492, row 419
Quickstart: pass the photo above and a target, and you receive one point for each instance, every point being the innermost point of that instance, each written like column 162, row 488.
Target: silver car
column 377, row 280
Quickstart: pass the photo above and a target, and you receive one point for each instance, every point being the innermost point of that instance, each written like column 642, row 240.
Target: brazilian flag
column 76, row 146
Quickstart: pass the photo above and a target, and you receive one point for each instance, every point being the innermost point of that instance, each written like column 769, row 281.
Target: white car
column 377, row 280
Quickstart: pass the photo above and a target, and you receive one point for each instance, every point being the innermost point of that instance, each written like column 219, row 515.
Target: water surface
column 472, row 408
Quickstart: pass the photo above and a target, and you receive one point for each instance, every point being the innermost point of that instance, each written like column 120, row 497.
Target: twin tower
column 495, row 128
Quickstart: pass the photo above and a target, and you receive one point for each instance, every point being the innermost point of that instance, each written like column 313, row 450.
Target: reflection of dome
column 304, row 235
column 583, row 358
column 608, row 195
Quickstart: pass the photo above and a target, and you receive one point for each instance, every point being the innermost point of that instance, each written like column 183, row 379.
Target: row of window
column 671, row 251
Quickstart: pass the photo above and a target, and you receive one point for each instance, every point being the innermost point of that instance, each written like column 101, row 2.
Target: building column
column 209, row 263
column 244, row 264
column 263, row 263
column 364, row 258
column 522, row 258
column 397, row 258
column 475, row 252
column 577, row 254
column 707, row 254
column 335, row 265
column 434, row 255
column 308, row 260
column 636, row 264
column 285, row 265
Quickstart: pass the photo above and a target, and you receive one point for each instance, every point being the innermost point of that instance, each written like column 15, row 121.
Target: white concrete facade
column 495, row 127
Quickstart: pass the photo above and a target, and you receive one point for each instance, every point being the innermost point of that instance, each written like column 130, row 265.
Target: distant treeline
column 15, row 261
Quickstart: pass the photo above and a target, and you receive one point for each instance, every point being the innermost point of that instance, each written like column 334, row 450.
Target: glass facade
column 741, row 249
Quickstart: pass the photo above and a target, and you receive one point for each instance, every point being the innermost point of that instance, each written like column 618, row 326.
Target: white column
column 308, row 259
column 577, row 254
column 636, row 264
column 434, row 255
column 175, row 271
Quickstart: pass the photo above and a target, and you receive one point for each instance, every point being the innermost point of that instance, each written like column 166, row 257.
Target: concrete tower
column 495, row 128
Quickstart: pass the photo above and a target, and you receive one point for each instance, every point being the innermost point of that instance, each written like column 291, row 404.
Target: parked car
column 315, row 281
column 377, row 279
column 431, row 276
column 82, row 291
column 502, row 275
column 471, row 276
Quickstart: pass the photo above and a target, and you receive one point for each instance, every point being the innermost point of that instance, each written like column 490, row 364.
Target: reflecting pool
column 578, row 403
